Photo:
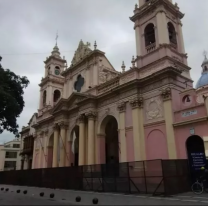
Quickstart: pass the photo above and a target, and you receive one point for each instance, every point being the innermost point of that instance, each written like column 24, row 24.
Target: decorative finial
column 205, row 54
column 136, row 6
column 95, row 45
column 123, row 67
column 133, row 62
column 56, row 37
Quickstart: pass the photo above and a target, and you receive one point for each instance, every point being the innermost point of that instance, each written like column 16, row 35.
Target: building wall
column 3, row 159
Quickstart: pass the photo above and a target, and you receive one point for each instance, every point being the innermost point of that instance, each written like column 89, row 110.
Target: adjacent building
column 27, row 144
column 9, row 155
column 89, row 113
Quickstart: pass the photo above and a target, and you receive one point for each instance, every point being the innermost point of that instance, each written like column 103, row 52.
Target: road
column 66, row 197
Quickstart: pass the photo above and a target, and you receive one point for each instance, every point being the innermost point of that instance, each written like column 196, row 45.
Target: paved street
column 65, row 197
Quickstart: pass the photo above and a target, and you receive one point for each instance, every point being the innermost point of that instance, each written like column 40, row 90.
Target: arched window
column 149, row 34
column 44, row 97
column 56, row 95
column 172, row 33
column 205, row 68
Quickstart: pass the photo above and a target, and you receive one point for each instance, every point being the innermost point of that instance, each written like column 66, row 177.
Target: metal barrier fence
column 162, row 177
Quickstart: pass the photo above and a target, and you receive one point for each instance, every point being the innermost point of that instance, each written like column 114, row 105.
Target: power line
column 19, row 54
column 47, row 53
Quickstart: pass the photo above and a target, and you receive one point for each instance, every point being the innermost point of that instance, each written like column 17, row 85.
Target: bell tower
column 158, row 31
column 52, row 84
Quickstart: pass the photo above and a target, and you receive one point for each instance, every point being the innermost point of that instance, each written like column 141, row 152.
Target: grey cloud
column 29, row 26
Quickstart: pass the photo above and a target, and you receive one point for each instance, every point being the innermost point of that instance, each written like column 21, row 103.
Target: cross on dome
column 205, row 54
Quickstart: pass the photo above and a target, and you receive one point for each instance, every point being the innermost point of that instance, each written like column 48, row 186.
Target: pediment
column 73, row 101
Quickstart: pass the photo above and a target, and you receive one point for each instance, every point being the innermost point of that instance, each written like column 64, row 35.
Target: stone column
column 81, row 140
column 122, row 132
column 91, row 138
column 55, row 146
column 68, row 151
column 138, row 129
column 168, row 113
column 63, row 144
column 41, row 154
column 34, row 147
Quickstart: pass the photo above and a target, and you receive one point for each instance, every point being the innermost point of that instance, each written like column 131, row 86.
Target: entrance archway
column 50, row 151
column 195, row 153
column 111, row 140
column 75, row 145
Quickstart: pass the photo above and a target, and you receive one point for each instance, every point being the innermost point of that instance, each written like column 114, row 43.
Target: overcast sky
column 28, row 29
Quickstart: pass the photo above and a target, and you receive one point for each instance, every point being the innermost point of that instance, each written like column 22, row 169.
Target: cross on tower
column 205, row 54
column 56, row 37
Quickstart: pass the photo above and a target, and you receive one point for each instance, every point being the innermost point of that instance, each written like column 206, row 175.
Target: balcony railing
column 151, row 47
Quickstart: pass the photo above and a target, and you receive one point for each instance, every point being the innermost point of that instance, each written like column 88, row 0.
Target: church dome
column 203, row 80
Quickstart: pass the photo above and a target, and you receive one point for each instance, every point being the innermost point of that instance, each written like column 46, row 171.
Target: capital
column 46, row 131
column 62, row 125
column 81, row 118
column 91, row 115
column 205, row 97
column 136, row 102
column 55, row 126
column 121, row 106
column 166, row 94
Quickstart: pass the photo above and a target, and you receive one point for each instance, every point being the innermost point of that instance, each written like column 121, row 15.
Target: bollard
column 52, row 195
column 42, row 194
column 78, row 199
column 18, row 191
column 95, row 201
column 7, row 189
column 25, row 192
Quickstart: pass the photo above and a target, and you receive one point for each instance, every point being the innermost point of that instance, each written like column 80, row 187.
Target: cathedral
column 89, row 113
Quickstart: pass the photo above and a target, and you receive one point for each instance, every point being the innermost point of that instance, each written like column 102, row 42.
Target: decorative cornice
column 121, row 107
column 166, row 94
column 136, row 102
column 192, row 121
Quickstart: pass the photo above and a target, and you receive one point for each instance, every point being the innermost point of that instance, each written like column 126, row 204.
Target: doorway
column 111, row 142
column 196, row 155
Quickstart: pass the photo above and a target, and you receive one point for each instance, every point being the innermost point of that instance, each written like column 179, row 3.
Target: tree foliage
column 11, row 99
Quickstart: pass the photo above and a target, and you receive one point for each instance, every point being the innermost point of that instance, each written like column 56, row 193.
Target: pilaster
column 122, row 133
column 138, row 128
column 55, row 145
column 168, row 114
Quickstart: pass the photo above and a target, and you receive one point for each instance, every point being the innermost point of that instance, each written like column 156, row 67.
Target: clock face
column 57, row 72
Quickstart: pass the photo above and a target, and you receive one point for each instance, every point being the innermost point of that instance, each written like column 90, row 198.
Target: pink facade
column 145, row 112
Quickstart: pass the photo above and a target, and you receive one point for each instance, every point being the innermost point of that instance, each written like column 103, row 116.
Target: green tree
column 11, row 99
